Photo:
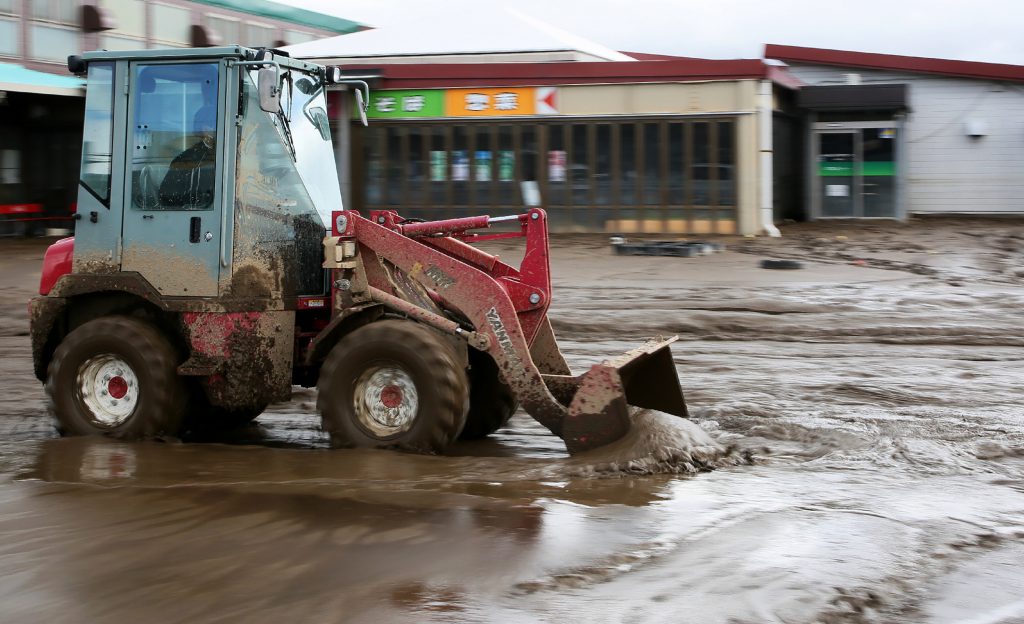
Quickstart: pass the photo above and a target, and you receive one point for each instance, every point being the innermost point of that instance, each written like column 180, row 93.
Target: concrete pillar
column 766, row 176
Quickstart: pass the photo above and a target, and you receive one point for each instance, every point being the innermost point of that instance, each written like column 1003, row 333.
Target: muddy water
column 864, row 424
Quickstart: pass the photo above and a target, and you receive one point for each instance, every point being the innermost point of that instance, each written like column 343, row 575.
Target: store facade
column 641, row 147
column 893, row 136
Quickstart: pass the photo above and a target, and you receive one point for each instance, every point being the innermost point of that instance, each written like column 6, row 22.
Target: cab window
column 174, row 144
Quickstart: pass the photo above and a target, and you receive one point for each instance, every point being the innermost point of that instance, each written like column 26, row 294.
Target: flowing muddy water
column 865, row 423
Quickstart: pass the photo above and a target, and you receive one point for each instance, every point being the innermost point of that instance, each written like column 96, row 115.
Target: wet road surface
column 874, row 413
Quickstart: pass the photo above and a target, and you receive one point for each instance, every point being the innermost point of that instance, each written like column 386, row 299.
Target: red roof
column 420, row 76
column 917, row 64
column 646, row 56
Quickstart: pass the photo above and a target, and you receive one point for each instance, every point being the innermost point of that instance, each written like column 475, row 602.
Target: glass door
column 855, row 173
column 836, row 159
column 878, row 172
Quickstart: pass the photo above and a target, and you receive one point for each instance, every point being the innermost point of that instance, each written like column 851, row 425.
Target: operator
column 189, row 183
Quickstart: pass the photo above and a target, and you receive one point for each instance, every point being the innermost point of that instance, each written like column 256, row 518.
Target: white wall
column 944, row 170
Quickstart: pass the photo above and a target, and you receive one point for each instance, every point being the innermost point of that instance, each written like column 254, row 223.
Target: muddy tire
column 491, row 402
column 393, row 384
column 116, row 376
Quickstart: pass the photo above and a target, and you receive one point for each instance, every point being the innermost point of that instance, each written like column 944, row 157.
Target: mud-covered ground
column 877, row 390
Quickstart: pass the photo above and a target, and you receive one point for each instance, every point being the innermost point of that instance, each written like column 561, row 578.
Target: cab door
column 171, row 230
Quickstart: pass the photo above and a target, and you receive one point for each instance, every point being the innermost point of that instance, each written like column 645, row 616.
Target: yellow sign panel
column 490, row 102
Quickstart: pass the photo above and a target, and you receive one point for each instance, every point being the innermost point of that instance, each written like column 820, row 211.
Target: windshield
column 304, row 107
column 314, row 152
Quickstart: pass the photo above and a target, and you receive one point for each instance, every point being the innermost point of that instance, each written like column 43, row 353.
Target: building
column 892, row 136
column 614, row 142
column 41, row 104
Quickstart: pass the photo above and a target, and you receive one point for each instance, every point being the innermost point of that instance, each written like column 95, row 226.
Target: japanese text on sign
column 490, row 102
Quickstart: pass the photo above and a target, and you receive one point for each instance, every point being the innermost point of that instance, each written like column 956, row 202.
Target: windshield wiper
column 286, row 123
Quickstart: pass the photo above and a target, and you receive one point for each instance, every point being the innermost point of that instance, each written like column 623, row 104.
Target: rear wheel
column 393, row 384
column 116, row 376
column 491, row 402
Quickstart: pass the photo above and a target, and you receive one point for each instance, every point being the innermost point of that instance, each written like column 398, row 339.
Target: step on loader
column 213, row 268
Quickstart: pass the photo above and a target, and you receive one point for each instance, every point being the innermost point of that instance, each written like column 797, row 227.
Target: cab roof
column 167, row 54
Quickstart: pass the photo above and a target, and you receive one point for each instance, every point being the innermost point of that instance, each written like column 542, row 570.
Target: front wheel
column 393, row 384
column 116, row 376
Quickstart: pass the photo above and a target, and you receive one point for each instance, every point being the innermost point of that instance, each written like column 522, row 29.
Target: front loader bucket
column 599, row 411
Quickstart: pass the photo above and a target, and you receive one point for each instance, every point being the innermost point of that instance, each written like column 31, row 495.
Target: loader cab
column 189, row 183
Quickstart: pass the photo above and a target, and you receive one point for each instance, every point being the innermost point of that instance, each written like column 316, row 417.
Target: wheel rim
column 109, row 388
column 386, row 400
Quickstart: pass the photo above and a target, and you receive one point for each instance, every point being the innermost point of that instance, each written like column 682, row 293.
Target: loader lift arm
column 506, row 309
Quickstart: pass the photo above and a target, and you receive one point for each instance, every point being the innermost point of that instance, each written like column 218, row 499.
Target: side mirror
column 270, row 90
column 362, row 106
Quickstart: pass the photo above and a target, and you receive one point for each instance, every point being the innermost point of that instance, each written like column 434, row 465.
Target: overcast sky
column 978, row 30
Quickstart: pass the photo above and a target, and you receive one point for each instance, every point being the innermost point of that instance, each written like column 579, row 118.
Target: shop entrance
column 856, row 170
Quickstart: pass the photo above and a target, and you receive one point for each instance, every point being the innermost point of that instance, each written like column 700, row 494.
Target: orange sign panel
column 490, row 102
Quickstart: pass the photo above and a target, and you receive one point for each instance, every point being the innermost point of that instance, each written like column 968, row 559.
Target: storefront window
column 259, row 35
column 438, row 166
column 395, row 179
column 528, row 161
column 580, row 167
column 9, row 38
column 129, row 17
column 648, row 174
column 374, row 167
column 627, row 171
column 50, row 43
column 227, row 28
column 506, row 167
column 652, row 165
column 60, row 11
column 417, row 168
column 557, row 167
column 676, row 164
column 602, row 170
column 171, row 24
column 483, row 167
column 726, row 168
column 460, row 166
column 701, row 168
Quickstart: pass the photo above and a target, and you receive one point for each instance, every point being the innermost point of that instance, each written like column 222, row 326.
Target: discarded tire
column 781, row 264
column 491, row 402
column 116, row 376
column 393, row 384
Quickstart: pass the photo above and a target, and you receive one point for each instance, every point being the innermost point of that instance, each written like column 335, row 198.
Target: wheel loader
column 214, row 268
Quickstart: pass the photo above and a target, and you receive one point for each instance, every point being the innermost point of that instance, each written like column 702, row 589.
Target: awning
column 18, row 79
column 869, row 97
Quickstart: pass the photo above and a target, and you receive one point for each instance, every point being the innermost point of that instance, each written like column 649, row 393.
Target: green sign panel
column 405, row 103
column 835, row 169
column 845, row 169
column 878, row 168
